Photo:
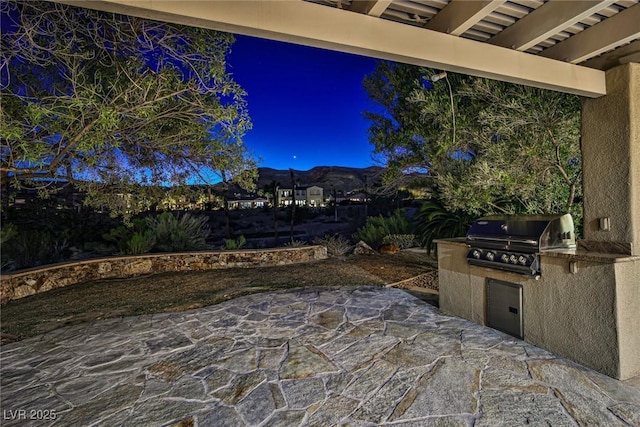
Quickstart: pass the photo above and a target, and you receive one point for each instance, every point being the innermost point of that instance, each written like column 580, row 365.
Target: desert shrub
column 235, row 244
column 377, row 227
column 435, row 221
column 179, row 233
column 134, row 238
column 77, row 228
column 100, row 248
column 295, row 244
column 336, row 244
column 141, row 242
column 32, row 248
column 302, row 214
column 7, row 232
column 403, row 241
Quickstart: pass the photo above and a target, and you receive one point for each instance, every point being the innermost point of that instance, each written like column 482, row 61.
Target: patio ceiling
column 560, row 45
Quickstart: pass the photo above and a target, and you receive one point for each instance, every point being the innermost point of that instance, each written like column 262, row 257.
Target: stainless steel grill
column 513, row 243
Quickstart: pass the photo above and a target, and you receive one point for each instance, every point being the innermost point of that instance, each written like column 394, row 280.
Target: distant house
column 314, row 196
column 311, row 196
column 248, row 203
column 355, row 198
column 63, row 196
column 191, row 202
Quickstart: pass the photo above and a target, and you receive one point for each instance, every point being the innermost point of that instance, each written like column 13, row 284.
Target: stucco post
column 611, row 164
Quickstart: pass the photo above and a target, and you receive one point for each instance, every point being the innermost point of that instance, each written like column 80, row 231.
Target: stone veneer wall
column 41, row 279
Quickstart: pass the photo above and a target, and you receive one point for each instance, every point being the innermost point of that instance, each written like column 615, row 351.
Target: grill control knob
column 513, row 259
column 522, row 259
column 504, row 258
column 490, row 256
column 476, row 254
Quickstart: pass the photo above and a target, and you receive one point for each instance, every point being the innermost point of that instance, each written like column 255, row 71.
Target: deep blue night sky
column 306, row 104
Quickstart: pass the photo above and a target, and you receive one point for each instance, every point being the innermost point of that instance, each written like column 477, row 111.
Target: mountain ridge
column 340, row 178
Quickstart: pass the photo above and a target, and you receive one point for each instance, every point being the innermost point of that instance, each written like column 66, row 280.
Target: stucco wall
column 455, row 291
column 590, row 316
column 611, row 160
column 634, row 151
column 32, row 281
column 628, row 317
column 574, row 315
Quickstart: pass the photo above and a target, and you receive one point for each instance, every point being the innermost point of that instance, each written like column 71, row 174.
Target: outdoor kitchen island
column 583, row 305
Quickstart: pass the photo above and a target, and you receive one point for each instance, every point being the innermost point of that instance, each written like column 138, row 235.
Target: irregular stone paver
column 313, row 357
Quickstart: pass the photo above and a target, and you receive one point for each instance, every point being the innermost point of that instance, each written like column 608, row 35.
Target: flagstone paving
column 313, row 357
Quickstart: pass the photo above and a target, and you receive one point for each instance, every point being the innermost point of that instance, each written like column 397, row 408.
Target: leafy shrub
column 235, row 244
column 336, row 244
column 134, row 239
column 377, row 227
column 164, row 233
column 403, row 241
column 140, row 242
column 182, row 233
column 435, row 221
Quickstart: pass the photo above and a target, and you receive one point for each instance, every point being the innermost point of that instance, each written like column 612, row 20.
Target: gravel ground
column 172, row 292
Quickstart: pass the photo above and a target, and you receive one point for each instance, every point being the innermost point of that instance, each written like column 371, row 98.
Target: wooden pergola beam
column 460, row 15
column 620, row 29
column 370, row 7
column 546, row 21
column 315, row 25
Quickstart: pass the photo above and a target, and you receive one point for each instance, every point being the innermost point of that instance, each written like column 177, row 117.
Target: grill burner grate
column 513, row 243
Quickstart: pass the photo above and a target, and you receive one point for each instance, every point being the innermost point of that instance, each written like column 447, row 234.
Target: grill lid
column 522, row 233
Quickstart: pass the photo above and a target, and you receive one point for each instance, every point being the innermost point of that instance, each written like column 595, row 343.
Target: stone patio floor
column 313, row 357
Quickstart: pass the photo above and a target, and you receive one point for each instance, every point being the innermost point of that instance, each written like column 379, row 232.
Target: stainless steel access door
column 504, row 307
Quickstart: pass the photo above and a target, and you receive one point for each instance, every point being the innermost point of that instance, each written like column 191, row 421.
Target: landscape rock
column 23, row 291
column 389, row 248
column 138, row 267
column 363, row 249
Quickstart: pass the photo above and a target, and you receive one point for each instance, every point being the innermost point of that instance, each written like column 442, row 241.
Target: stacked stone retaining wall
column 42, row 279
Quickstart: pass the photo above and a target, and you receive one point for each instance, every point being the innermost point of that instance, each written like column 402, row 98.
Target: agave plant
column 435, row 221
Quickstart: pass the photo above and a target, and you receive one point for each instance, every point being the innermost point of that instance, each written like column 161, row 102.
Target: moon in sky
column 295, row 157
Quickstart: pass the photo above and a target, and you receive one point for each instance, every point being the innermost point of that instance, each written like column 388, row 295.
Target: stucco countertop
column 570, row 254
column 457, row 240
column 589, row 256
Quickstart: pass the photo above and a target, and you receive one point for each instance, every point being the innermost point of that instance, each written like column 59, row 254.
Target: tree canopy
column 116, row 104
column 489, row 146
